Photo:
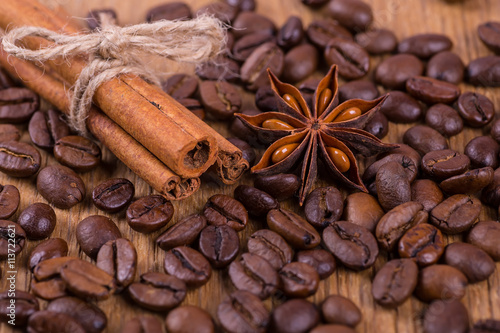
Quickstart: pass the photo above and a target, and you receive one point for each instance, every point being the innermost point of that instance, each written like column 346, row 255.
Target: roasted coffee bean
column 158, row 291
column 323, row 206
column 221, row 99
column 149, row 213
column 270, row 246
column 404, row 150
column 491, row 193
column 254, row 69
column 265, row 100
column 339, row 310
column 220, row 10
column 221, row 209
column 358, row 89
column 45, row 128
column 322, row 261
column 187, row 319
column 38, row 221
column 486, row 326
column 444, row 119
column 48, row 249
column 89, row 316
column 244, row 46
column 249, row 22
column 94, row 231
column 291, row 33
column 351, row 244
column 476, row 109
column 425, row 45
column 378, row 125
column 301, row 61
column 476, row 264
column 442, row 164
column 19, row 159
column 440, row 282
column 320, row 32
column 86, row 280
column 180, row 86
column 393, row 185
column 9, row 132
column 483, row 152
column 221, row 68
column 485, row 236
column 427, row 193
column 5, row 80
column 484, row 71
column 471, row 181
column 394, row 282
column 423, row 243
column 446, row 316
column 169, row 11
column 25, row 305
column 363, row 209
column 424, row 139
column 60, row 186
column 280, row 186
column 399, row 107
column 254, row 274
column 432, row 91
column 352, row 60
column 113, row 195
column 294, row 316
column 17, row 105
column 297, row 231
column 408, row 164
column 118, row 258
column 395, row 222
column 94, row 17
column 12, row 239
column 489, row 33
column 314, row 3
column 183, row 232
column 355, row 15
column 243, row 5
column 377, row 41
column 143, row 324
column 194, row 106
column 257, row 202
column 50, row 321
column 9, row 201
column 456, row 214
column 242, row 311
column 48, row 283
column 188, row 265
column 219, row 244
column 248, row 153
column 446, row 66
column 298, row 279
column 394, row 71
column 494, row 132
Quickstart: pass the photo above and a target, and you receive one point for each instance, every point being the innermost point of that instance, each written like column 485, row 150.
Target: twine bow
column 117, row 50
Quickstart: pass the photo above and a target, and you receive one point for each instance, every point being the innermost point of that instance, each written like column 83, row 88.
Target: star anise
column 298, row 132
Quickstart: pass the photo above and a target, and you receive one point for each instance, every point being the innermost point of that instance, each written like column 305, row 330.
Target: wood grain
column 405, row 17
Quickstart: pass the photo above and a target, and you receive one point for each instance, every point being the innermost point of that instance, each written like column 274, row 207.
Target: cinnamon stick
column 122, row 145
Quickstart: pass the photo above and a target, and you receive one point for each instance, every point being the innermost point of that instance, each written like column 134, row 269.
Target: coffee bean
column 169, row 11
column 476, row 264
column 48, row 283
column 456, row 214
column 291, row 33
column 294, row 316
column 246, row 150
column 219, row 244
column 243, row 5
column 220, row 99
column 249, row 22
column 25, row 305
column 427, row 193
column 113, row 194
column 477, row 110
column 408, row 164
column 9, row 132
column 142, row 324
column 254, row 274
column 94, row 17
column 12, row 239
column 157, row 291
column 423, row 243
column 432, row 91
column 17, row 105
column 363, row 209
column 221, row 209
column 9, row 201
column 188, row 318
column 244, row 46
column 297, row 231
column 149, row 213
column 355, row 15
column 221, row 68
column 320, row 32
column 483, row 152
column 491, row 193
column 280, row 186
column 183, row 232
column 399, row 107
column 404, row 150
column 489, row 33
column 19, row 159
column 188, row 265
column 5, row 80
column 89, row 316
column 425, row 45
column 301, row 61
column 242, row 311
column 332, row 328
column 270, row 246
column 393, row 185
column 314, row 3
column 60, row 186
column 118, row 258
column 486, row 326
column 394, row 282
column 339, row 310
column 220, row 10
column 352, row 60
column 485, row 235
column 446, row 66
column 484, row 71
column 446, row 316
column 322, row 261
column 395, row 222
column 377, row 41
column 394, row 71
column 298, row 279
column 424, row 139
column 257, row 202
column 254, row 69
column 194, row 106
column 442, row 164
column 49, row 321
column 378, row 125
column 93, row 232
column 444, row 119
column 323, row 206
column 495, row 130
column 45, row 128
column 48, row 249
column 440, row 282
column 38, row 221
column 180, row 85
column 358, row 89
column 471, row 181
column 265, row 100
column 77, row 153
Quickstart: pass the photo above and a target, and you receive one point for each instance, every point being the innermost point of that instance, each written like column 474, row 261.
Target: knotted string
column 117, row 50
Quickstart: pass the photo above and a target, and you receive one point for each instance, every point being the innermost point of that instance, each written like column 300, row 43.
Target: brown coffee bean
column 424, row 139
column 446, row 316
column 86, row 280
column 38, row 221
column 484, row 71
column 60, row 186
column 378, row 125
column 363, row 209
column 471, row 181
column 394, row 71
column 222, row 68
column 118, row 258
column 491, row 193
column 220, row 10
column 486, row 326
column 149, row 213
column 247, row 151
column 485, row 236
column 404, row 150
column 399, row 107
column 323, row 206
column 294, row 316
column 322, row 261
column 94, row 231
column 17, row 105
column 142, row 324
column 188, row 318
column 301, row 61
column 314, row 3
column 446, row 66
column 425, row 45
column 483, row 152
column 9, row 201
column 113, row 194
column 298, row 279
column 242, row 311
column 377, row 41
column 320, row 32
column 442, row 164
column 47, row 283
column 440, row 282
column 19, row 159
column 25, row 304
column 352, row 60
column 169, row 11
column 194, row 106
column 5, row 80
column 423, row 243
column 9, row 132
column 244, row 46
column 188, row 265
column 477, row 110
column 180, row 86
column 49, row 321
column 358, row 89
column 219, row 244
column 248, row 22
column 476, row 264
column 291, row 33
column 432, row 91
column 427, row 193
column 45, row 128
column 157, row 291
column 12, row 239
column 254, row 69
column 494, row 132
column 352, row 245
column 221, row 209
column 265, row 100
column 408, row 163
column 280, row 186
column 297, row 231
column 456, row 214
column 337, row 309
column 394, row 282
column 89, row 316
column 77, row 153
column 393, row 186
column 489, row 33
column 48, row 249
column 257, row 202
column 220, row 99
column 355, row 15
column 444, row 119
column 94, row 17
column 270, row 246
column 183, row 232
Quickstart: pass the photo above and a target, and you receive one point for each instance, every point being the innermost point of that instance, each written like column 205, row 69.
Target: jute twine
column 117, row 50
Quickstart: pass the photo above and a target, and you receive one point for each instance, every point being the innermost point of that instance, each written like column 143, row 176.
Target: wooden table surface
column 405, row 17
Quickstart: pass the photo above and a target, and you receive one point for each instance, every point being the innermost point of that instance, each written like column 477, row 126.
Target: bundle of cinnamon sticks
column 150, row 132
